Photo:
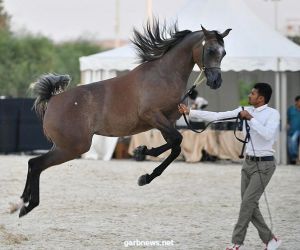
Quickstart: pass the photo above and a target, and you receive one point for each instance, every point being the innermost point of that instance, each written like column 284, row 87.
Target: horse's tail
column 45, row 87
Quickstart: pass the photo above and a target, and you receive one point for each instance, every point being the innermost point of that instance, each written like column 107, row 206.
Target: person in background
column 196, row 101
column 293, row 120
column 259, row 164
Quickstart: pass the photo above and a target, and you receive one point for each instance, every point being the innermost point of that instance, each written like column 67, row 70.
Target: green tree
column 22, row 59
column 244, row 90
column 25, row 57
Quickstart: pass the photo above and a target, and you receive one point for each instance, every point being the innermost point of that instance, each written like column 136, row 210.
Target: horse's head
column 208, row 55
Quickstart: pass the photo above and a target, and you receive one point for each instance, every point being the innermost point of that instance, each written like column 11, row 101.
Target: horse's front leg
column 142, row 151
column 146, row 179
column 173, row 138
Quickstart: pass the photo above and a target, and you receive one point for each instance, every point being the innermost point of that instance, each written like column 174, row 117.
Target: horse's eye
column 211, row 51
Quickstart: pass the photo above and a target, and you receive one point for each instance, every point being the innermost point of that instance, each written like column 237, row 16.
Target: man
column 293, row 119
column 259, row 164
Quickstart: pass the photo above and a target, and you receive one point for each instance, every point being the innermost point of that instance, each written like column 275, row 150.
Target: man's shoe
column 234, row 247
column 273, row 244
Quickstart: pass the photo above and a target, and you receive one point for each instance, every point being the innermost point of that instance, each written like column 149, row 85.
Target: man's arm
column 208, row 115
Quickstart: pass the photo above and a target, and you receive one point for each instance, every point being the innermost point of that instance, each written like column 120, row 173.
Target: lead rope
column 247, row 137
column 198, row 80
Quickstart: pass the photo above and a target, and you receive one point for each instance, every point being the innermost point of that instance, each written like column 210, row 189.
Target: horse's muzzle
column 213, row 76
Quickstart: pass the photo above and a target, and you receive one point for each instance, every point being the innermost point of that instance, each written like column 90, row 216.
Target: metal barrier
column 20, row 129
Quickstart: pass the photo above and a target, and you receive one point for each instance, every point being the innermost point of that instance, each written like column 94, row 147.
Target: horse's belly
column 127, row 123
column 122, row 126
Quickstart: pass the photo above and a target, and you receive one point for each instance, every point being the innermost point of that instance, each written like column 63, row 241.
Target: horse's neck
column 181, row 57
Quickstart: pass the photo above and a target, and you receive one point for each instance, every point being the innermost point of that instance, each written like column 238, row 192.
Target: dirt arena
column 88, row 204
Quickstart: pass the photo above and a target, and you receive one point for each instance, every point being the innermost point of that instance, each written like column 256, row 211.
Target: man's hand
column 244, row 114
column 183, row 109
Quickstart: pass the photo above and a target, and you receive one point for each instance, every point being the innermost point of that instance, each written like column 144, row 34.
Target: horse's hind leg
column 25, row 194
column 35, row 167
column 24, row 197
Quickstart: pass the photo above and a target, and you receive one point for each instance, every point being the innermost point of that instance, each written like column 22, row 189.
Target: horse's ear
column 225, row 33
column 205, row 31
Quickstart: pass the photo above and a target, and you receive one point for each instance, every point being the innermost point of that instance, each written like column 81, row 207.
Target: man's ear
column 262, row 99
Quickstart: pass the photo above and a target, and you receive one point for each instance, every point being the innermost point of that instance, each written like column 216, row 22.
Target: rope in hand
column 197, row 82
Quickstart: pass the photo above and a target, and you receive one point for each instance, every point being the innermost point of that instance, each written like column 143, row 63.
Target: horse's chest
column 172, row 115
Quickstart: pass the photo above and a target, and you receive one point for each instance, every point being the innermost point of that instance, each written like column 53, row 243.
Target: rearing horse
column 145, row 98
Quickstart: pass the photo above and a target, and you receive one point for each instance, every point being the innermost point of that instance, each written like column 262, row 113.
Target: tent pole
column 150, row 11
column 277, row 106
column 117, row 24
column 283, row 116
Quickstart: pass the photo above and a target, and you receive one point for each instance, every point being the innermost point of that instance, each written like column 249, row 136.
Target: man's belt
column 262, row 158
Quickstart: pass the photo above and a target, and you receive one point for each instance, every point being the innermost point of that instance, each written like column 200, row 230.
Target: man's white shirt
column 264, row 126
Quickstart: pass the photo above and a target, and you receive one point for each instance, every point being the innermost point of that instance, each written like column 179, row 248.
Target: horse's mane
column 154, row 43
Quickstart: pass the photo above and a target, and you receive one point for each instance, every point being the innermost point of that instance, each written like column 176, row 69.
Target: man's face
column 254, row 97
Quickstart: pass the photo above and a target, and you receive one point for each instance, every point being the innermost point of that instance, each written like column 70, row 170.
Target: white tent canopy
column 122, row 58
column 251, row 45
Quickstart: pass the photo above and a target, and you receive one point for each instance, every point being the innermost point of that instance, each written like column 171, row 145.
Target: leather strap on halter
column 203, row 67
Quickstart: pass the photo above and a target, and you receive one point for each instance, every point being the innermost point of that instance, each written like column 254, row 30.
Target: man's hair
column 297, row 98
column 265, row 90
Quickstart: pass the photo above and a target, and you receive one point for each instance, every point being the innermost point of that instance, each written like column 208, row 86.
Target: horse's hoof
column 23, row 211
column 139, row 154
column 142, row 149
column 144, row 179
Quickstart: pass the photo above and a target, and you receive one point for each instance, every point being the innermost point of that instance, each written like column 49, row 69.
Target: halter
column 200, row 77
column 203, row 67
column 197, row 82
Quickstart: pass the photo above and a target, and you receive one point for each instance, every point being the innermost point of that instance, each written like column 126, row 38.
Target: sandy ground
column 89, row 204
